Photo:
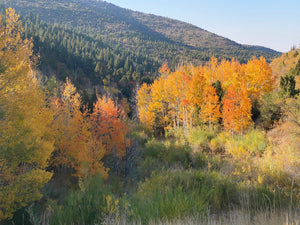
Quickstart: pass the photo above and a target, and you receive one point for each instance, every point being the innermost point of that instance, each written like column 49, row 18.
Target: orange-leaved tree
column 76, row 143
column 236, row 113
column 109, row 127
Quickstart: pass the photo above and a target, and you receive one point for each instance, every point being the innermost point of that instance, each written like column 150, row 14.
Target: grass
column 234, row 217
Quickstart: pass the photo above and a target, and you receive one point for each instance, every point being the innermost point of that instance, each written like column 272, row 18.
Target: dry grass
column 236, row 217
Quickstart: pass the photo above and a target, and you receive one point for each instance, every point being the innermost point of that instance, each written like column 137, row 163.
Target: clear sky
column 270, row 23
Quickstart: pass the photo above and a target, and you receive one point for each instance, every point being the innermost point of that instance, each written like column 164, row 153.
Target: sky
column 270, row 23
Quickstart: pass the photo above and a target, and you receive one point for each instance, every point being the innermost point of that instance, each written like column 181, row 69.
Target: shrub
column 253, row 142
column 176, row 194
column 85, row 206
column 168, row 152
column 200, row 137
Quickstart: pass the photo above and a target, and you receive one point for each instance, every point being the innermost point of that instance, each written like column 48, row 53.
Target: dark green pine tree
column 288, row 83
column 296, row 70
column 218, row 86
column 287, row 86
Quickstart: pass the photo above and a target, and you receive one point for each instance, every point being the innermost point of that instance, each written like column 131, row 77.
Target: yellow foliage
column 281, row 65
column 210, row 109
column 175, row 98
column 26, row 140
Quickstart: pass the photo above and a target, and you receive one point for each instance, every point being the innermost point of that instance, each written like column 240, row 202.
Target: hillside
column 100, row 45
column 161, row 38
column 281, row 65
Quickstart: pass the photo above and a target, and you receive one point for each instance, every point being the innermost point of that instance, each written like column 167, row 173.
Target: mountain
column 131, row 29
column 100, row 43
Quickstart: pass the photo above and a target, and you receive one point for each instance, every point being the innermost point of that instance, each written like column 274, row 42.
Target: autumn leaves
column 25, row 140
column 208, row 94
column 40, row 128
column 83, row 138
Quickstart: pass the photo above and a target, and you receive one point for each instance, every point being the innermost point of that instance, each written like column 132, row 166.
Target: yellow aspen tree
column 146, row 116
column 176, row 86
column 25, row 135
column 210, row 109
column 258, row 78
column 67, row 125
column 194, row 96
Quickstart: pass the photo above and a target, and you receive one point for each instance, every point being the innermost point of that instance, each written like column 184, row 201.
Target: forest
column 209, row 143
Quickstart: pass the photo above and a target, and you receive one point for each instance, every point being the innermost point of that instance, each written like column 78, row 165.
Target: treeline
column 207, row 94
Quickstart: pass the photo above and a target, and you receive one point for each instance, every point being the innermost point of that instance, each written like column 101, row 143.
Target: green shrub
column 200, row 137
column 200, row 160
column 154, row 149
column 147, row 166
column 85, row 206
column 176, row 194
column 254, row 142
column 261, row 198
column 168, row 152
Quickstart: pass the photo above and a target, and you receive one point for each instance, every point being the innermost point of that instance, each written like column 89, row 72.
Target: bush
column 200, row 137
column 176, row 194
column 85, row 206
column 254, row 142
column 168, row 152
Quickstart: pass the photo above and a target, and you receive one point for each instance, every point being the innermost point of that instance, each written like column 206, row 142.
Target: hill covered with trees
column 97, row 43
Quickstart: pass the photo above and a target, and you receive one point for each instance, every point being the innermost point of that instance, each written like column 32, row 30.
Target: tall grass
column 234, row 217
column 178, row 193
column 85, row 206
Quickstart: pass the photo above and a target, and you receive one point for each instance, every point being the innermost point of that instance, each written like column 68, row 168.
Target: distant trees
column 205, row 94
column 113, row 59
column 86, row 58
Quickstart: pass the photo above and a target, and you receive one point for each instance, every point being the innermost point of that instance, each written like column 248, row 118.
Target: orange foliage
column 108, row 127
column 78, row 142
column 175, row 98
column 164, row 69
column 236, row 112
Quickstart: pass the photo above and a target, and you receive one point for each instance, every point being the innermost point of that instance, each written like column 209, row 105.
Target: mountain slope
column 100, row 45
column 136, row 31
